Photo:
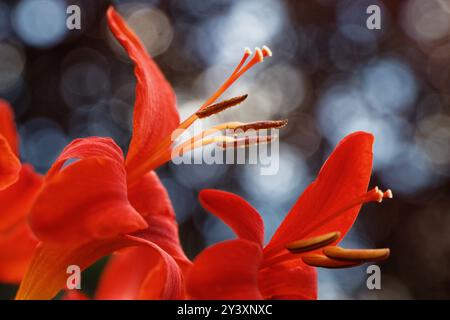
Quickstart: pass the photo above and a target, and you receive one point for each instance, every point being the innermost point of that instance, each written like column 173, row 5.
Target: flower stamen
column 220, row 106
column 237, row 73
column 317, row 260
column 313, row 243
column 365, row 255
column 373, row 195
column 246, row 141
column 337, row 257
column 260, row 125
column 232, row 126
column 302, row 246
column 206, row 141
column 164, row 147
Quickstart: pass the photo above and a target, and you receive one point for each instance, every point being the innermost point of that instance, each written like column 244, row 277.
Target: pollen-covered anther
column 321, row 261
column 259, row 125
column 246, row 141
column 365, row 255
column 313, row 243
column 220, row 106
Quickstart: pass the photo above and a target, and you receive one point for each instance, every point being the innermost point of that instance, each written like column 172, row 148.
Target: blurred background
column 329, row 76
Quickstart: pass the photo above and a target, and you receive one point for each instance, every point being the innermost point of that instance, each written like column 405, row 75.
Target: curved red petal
column 87, row 199
column 164, row 280
column 9, row 165
column 149, row 197
column 8, row 127
column 16, row 200
column 235, row 212
column 227, row 270
column 343, row 178
column 124, row 274
column 140, row 273
column 86, row 148
column 16, row 249
column 291, row 279
column 47, row 272
column 155, row 113
column 135, row 272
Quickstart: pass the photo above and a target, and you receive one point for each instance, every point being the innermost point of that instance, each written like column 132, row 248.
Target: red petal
column 155, row 113
column 228, row 270
column 74, row 295
column 149, row 197
column 164, row 281
column 137, row 270
column 124, row 274
column 86, row 148
column 289, row 280
column 46, row 274
column 140, row 273
column 16, row 249
column 87, row 199
column 16, row 239
column 17, row 200
column 235, row 212
column 343, row 178
column 8, row 127
column 9, row 165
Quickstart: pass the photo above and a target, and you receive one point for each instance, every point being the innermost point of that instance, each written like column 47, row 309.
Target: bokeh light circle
column 40, row 23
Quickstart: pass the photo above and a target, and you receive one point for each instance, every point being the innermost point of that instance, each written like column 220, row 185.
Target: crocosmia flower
column 96, row 201
column 307, row 238
column 19, row 186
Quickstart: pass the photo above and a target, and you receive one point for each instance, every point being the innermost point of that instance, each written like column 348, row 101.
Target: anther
column 220, row 106
column 246, row 141
column 313, row 243
column 339, row 253
column 317, row 260
column 259, row 125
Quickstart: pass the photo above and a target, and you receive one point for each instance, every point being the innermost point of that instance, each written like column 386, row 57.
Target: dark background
column 329, row 76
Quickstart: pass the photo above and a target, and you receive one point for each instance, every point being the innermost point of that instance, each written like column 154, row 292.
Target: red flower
column 245, row 269
column 95, row 201
column 85, row 210
column 19, row 186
